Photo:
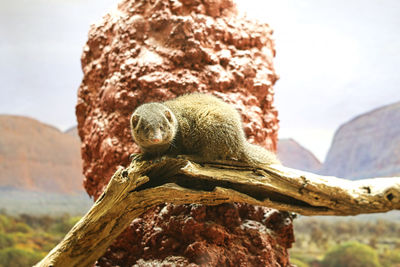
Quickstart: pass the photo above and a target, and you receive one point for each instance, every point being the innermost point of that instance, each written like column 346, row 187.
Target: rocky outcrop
column 153, row 51
column 191, row 235
column 293, row 155
column 367, row 146
column 35, row 156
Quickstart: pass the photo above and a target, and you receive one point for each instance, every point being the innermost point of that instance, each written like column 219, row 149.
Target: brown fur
column 201, row 125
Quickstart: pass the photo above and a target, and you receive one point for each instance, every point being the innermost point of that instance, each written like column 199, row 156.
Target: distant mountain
column 293, row 155
column 73, row 131
column 367, row 146
column 38, row 157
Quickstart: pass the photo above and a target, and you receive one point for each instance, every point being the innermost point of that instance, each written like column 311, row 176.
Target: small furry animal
column 198, row 125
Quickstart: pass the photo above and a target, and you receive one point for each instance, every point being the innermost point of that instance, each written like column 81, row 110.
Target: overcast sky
column 336, row 59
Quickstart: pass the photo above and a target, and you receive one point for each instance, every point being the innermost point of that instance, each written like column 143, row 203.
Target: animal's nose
column 155, row 140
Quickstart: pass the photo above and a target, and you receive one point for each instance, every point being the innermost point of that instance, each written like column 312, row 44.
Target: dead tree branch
column 143, row 185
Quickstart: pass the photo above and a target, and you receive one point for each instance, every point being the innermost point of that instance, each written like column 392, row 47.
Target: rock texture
column 35, row 156
column 153, row 51
column 367, row 146
column 191, row 235
column 293, row 155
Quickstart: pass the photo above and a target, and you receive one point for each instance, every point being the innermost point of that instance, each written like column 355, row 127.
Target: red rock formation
column 155, row 50
column 148, row 52
column 224, row 235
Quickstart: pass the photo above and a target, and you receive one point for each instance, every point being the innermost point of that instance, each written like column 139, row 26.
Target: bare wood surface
column 143, row 185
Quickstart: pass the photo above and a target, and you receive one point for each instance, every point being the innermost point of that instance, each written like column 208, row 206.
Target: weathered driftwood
column 143, row 185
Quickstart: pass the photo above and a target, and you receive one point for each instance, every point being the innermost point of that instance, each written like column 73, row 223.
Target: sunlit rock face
column 156, row 50
column 367, row 146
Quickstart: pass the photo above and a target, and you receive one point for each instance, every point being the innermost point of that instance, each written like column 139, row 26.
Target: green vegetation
column 18, row 257
column 26, row 239
column 390, row 258
column 345, row 243
column 351, row 254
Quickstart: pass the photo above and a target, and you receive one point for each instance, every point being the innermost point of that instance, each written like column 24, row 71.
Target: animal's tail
column 259, row 155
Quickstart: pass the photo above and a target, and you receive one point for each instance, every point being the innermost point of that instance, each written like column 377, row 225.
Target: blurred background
column 338, row 99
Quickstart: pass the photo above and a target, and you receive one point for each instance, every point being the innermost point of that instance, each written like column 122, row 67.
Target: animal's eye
column 144, row 130
column 162, row 127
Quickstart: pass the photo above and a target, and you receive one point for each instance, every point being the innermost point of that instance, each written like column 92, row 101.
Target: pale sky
column 336, row 59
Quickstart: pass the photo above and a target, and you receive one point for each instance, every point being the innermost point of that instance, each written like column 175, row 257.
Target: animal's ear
column 168, row 115
column 134, row 121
